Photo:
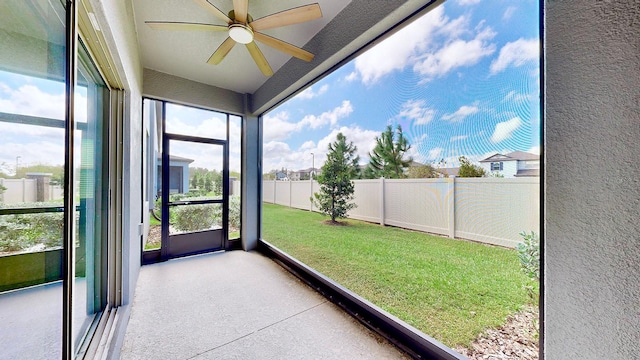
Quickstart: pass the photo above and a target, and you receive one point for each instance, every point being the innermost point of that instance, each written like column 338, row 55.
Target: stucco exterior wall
column 592, row 251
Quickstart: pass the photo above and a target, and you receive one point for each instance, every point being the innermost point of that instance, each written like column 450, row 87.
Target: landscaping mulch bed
column 517, row 339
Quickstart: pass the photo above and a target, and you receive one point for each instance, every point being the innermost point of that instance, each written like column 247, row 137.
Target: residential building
column 513, row 164
column 81, row 292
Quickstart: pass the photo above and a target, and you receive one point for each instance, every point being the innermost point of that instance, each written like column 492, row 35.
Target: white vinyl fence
column 26, row 190
column 489, row 210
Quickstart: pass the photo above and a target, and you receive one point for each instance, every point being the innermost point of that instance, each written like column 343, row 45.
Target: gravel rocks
column 517, row 339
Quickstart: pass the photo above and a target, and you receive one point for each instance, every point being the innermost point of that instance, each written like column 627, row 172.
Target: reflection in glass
column 90, row 200
column 32, row 108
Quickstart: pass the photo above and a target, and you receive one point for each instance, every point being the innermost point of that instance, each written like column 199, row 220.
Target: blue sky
column 461, row 80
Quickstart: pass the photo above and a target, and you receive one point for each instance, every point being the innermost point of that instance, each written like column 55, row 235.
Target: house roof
column 512, row 156
column 449, row 171
column 178, row 159
column 527, row 173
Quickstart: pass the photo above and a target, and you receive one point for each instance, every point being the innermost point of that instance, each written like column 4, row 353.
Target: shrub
column 234, row 212
column 22, row 232
column 195, row 217
column 529, row 254
column 203, row 216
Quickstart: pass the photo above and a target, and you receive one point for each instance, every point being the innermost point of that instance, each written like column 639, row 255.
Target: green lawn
column 450, row 289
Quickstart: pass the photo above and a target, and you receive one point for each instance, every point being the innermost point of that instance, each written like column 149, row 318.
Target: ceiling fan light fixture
column 241, row 33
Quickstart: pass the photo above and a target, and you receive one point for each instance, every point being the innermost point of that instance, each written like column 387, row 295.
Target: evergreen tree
column 208, row 182
column 387, row 158
column 195, row 181
column 467, row 169
column 422, row 172
column 336, row 188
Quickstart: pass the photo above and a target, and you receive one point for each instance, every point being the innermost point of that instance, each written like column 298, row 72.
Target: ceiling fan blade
column 240, row 9
column 214, row 10
column 170, row 25
column 283, row 46
column 288, row 17
column 259, row 58
column 221, row 51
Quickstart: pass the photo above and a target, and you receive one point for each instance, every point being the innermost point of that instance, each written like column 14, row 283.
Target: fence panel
column 300, row 194
column 283, row 193
column 19, row 190
column 367, row 196
column 495, row 211
column 418, row 204
column 267, row 191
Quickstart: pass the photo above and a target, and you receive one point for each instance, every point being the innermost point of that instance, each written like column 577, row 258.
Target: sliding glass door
column 33, row 141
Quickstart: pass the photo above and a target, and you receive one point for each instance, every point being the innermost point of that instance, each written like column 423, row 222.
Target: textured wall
column 592, row 255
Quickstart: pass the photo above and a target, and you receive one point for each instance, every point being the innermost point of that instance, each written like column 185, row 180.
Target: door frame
column 164, row 252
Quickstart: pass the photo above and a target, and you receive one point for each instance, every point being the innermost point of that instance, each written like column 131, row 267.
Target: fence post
column 274, row 191
column 290, row 193
column 382, row 200
column 452, row 207
column 24, row 190
column 311, row 195
column 1, row 192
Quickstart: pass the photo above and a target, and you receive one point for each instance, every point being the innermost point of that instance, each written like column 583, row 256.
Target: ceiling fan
column 244, row 30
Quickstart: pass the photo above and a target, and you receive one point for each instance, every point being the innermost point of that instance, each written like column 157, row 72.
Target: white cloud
column 516, row 53
column 328, row 117
column 516, row 96
column 457, row 53
column 352, row 76
column 278, row 155
column 534, row 150
column 504, row 130
column 308, row 145
column 32, row 153
column 399, row 50
column 461, row 113
column 417, row 111
column 435, row 154
column 308, row 93
column 30, row 100
column 508, row 13
column 458, row 138
column 278, row 126
column 274, row 149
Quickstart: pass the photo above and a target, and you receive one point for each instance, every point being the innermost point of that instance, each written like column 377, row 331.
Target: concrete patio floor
column 239, row 305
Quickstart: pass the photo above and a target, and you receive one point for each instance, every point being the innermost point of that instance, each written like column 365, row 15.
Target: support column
column 251, row 181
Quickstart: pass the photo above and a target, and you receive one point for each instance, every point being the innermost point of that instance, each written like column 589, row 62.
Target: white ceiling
column 185, row 53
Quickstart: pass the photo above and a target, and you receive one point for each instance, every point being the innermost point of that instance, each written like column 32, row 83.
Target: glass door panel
column 32, row 138
column 90, row 194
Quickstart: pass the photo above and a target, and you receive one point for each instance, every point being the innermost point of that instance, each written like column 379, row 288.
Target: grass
column 449, row 289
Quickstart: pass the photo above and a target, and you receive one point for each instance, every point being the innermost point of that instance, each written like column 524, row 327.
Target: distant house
column 178, row 174
column 513, row 164
column 281, row 176
column 448, row 172
column 304, row 174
